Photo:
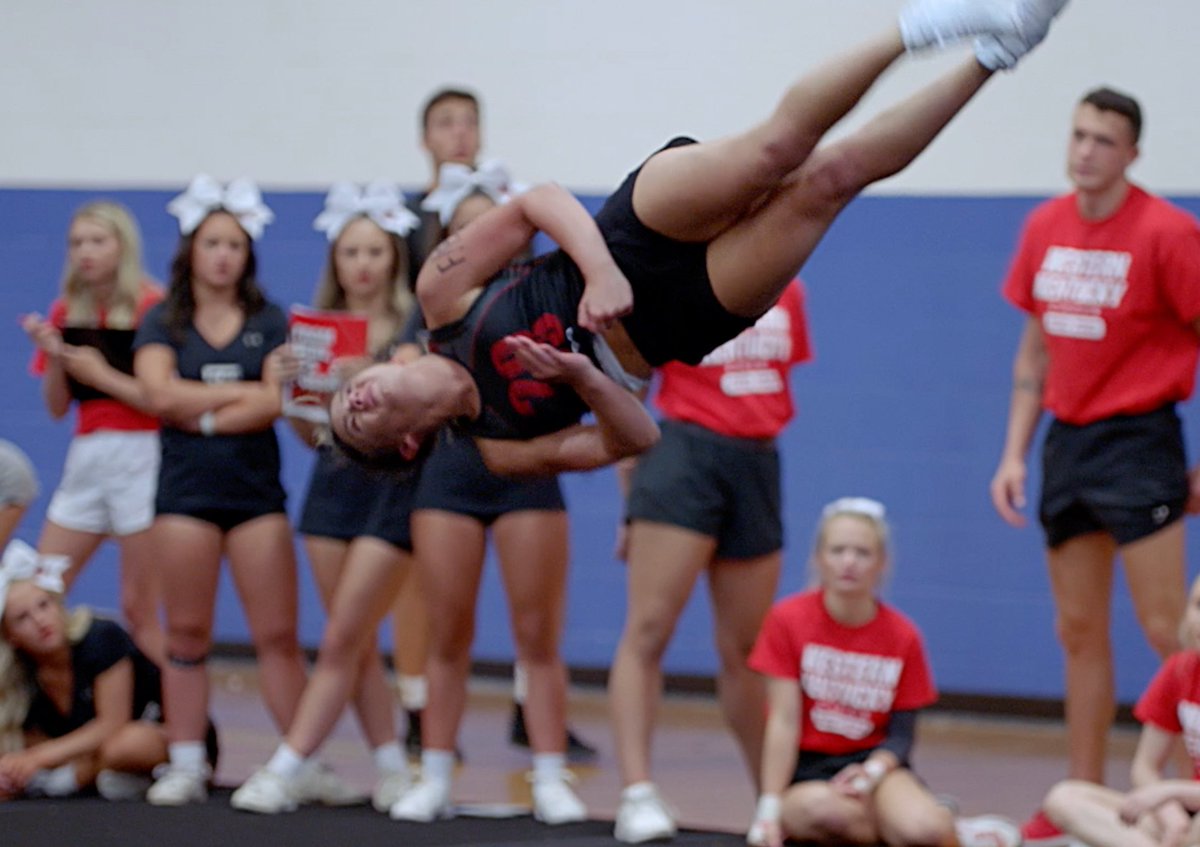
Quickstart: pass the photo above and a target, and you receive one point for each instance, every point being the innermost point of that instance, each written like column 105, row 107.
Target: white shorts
column 108, row 483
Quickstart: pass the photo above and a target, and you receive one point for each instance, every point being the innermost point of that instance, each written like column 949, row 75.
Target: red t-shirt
column 1116, row 299
column 741, row 388
column 104, row 413
column 851, row 678
column 1172, row 702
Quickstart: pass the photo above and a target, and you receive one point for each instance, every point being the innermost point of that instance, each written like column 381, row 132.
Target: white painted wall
column 296, row 93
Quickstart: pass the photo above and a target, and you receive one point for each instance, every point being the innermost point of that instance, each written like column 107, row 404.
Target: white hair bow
column 241, row 198
column 21, row 562
column 457, row 182
column 855, row 506
column 379, row 201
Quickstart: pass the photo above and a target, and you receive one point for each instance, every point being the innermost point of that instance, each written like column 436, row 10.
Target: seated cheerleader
column 79, row 703
column 1158, row 812
column 846, row 676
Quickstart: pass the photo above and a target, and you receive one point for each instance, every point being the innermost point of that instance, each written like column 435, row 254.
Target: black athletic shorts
column 1125, row 475
column 725, row 488
column 455, row 479
column 676, row 315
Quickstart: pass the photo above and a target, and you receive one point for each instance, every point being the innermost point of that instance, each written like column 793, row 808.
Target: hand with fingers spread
column 546, row 362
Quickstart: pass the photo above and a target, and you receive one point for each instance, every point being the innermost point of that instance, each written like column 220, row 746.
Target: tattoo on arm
column 449, row 254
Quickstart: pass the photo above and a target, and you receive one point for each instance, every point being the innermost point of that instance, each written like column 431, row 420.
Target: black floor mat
column 93, row 822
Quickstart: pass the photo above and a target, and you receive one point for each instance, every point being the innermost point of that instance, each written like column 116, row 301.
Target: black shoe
column 577, row 750
column 412, row 738
column 517, row 735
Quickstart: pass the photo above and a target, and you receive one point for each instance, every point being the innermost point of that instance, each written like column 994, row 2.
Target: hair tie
column 457, row 182
column 241, row 198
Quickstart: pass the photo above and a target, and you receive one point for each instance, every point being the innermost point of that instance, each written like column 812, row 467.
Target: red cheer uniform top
column 852, row 678
column 1116, row 299
column 104, row 413
column 741, row 388
column 1172, row 702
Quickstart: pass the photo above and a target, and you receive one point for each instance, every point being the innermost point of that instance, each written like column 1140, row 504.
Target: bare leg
column 908, row 814
column 1155, row 567
column 450, row 553
column 348, row 661
column 752, row 261
column 410, row 630
column 664, row 563
column 694, row 193
column 815, row 811
column 742, row 591
column 263, row 564
column 1081, row 572
column 75, row 544
column 533, row 552
column 1090, row 812
column 189, row 581
column 141, row 593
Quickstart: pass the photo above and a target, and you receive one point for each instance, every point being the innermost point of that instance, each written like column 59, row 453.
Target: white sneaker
column 987, row 831
column 425, row 801
column 554, row 802
column 643, row 816
column 936, row 23
column 756, row 835
column 265, row 793
column 178, row 786
column 318, row 783
column 1002, row 51
column 389, row 789
column 117, row 786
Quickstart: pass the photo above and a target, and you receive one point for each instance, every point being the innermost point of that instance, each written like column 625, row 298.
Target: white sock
column 389, row 758
column 936, row 23
column 286, row 762
column 520, row 683
column 437, row 765
column 414, row 692
column 548, row 767
column 188, row 755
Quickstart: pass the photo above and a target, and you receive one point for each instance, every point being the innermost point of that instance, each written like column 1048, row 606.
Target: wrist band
column 208, row 423
column 768, row 808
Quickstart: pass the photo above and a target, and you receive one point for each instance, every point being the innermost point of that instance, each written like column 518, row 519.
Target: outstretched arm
column 465, row 261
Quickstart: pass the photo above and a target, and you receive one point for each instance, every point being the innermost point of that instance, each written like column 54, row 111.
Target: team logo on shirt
column 523, row 389
column 1078, row 285
column 846, row 687
column 219, row 372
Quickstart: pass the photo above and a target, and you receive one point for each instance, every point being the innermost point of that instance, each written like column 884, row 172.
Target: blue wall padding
column 905, row 401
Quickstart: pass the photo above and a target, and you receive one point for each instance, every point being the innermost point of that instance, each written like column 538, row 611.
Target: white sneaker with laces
column 265, row 793
column 1002, row 51
column 555, row 802
column 987, row 831
column 643, row 816
column 425, row 801
column 117, row 786
column 318, row 783
column 936, row 23
column 389, row 789
column 178, row 786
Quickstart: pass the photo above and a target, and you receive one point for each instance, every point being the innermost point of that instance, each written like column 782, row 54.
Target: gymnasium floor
column 989, row 764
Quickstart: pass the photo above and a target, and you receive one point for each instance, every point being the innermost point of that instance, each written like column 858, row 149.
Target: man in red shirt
column 1109, row 276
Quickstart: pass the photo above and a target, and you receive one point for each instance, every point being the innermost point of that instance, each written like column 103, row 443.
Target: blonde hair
column 332, row 296
column 871, row 512
column 121, row 310
column 16, row 689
